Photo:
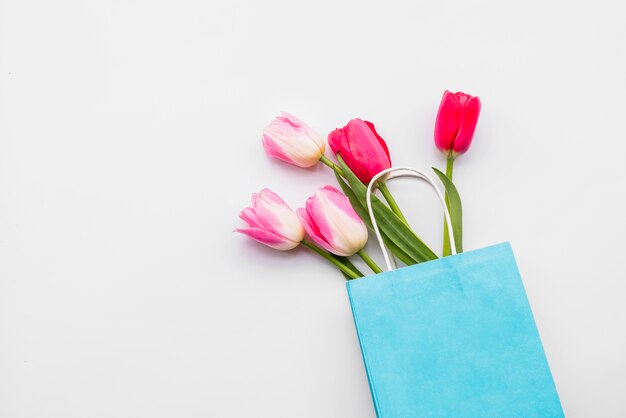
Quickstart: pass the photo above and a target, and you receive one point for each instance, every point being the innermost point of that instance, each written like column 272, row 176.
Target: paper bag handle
column 404, row 172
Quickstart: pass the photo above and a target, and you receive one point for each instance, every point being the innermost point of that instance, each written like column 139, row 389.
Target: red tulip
column 362, row 149
column 456, row 122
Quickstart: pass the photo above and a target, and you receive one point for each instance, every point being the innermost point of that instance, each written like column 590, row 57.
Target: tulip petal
column 249, row 216
column 272, row 213
column 360, row 146
column 359, row 170
column 298, row 148
column 468, row 120
column 447, row 123
column 292, row 141
column 314, row 136
column 319, row 216
column 274, row 150
column 349, row 233
column 312, row 230
column 267, row 194
column 338, row 142
column 271, row 221
column 365, row 146
column 336, row 221
column 258, row 216
column 341, row 201
column 268, row 238
column 382, row 142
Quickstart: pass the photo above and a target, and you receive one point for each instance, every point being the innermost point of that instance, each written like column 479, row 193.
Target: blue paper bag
column 453, row 337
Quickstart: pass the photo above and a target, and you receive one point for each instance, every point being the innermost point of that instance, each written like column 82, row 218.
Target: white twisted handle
column 404, row 172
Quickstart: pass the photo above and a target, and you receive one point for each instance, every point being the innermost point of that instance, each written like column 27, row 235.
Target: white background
column 130, row 139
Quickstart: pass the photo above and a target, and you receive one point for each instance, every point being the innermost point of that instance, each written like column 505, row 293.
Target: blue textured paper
column 453, row 337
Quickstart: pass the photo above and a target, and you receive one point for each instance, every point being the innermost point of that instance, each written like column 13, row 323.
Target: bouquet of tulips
column 334, row 222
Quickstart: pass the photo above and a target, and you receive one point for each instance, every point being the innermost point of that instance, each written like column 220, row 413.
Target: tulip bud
column 292, row 141
column 361, row 148
column 456, row 122
column 272, row 222
column 332, row 223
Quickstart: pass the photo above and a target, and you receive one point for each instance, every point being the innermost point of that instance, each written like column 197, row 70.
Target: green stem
column 381, row 186
column 449, row 167
column 347, row 262
column 392, row 202
column 345, row 269
column 332, row 165
column 446, row 234
column 368, row 260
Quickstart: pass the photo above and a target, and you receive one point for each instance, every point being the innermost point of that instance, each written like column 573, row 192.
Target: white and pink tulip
column 293, row 141
column 272, row 222
column 332, row 223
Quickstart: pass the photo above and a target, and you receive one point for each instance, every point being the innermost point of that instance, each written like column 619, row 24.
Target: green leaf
column 455, row 209
column 348, row 263
column 389, row 223
column 395, row 250
column 361, row 210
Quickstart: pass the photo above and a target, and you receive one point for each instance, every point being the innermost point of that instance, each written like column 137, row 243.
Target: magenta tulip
column 456, row 122
column 361, row 148
column 293, row 141
column 272, row 222
column 332, row 223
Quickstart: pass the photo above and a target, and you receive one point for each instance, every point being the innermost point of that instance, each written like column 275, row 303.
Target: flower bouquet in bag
column 449, row 336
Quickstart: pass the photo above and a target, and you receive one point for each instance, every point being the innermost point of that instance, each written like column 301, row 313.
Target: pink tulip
column 332, row 223
column 272, row 222
column 292, row 141
column 361, row 148
column 456, row 122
